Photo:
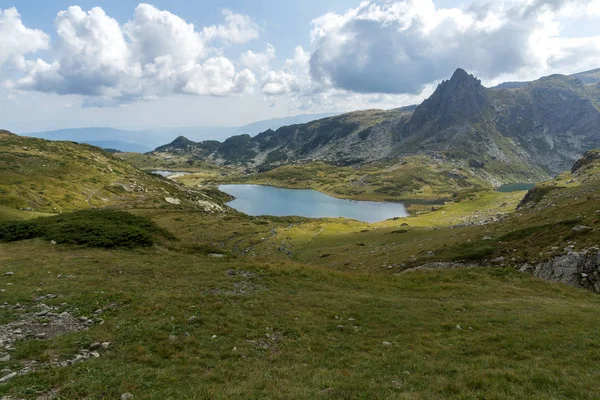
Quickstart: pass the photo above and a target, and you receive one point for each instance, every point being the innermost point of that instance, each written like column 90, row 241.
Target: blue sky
column 129, row 65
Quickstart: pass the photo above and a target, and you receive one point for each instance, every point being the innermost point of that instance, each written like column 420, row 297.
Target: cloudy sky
column 175, row 63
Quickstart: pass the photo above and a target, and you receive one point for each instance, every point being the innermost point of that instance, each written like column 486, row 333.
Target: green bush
column 94, row 228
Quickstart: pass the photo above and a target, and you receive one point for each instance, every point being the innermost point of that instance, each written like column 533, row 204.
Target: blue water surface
column 268, row 200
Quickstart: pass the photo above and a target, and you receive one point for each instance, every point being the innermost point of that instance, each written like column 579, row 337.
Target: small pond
column 267, row 200
column 515, row 187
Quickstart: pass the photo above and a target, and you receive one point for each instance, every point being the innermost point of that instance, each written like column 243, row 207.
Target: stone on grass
column 8, row 377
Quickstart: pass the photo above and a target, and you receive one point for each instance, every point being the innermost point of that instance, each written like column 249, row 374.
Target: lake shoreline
column 262, row 200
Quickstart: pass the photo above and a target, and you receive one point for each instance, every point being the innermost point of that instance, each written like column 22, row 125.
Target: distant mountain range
column 587, row 78
column 525, row 131
column 146, row 140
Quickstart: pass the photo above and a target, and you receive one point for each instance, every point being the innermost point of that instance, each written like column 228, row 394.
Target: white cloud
column 400, row 46
column 217, row 77
column 17, row 40
column 237, row 29
column 259, row 62
column 155, row 54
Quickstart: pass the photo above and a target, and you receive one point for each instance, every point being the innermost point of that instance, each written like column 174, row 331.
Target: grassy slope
column 50, row 176
column 519, row 337
column 277, row 334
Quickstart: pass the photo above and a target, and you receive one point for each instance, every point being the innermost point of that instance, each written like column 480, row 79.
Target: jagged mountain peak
column 460, row 75
column 461, row 98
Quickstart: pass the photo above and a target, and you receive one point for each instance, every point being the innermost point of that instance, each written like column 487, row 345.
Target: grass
column 519, row 337
column 301, row 308
column 51, row 177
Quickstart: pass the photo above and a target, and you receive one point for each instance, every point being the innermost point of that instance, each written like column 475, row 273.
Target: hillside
column 38, row 175
column 240, row 306
column 525, row 133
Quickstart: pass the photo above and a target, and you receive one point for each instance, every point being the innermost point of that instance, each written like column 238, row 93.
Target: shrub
column 94, row 228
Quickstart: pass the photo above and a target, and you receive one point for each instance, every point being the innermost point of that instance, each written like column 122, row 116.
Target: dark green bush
column 94, row 228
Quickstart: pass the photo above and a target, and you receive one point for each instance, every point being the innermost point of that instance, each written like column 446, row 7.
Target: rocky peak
column 462, row 98
column 180, row 143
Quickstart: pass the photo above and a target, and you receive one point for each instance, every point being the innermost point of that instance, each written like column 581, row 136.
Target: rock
column 105, row 345
column 8, row 377
column 458, row 327
column 192, row 319
column 340, row 327
column 581, row 228
column 172, row 200
column 95, row 346
column 95, row 354
column 9, row 273
column 386, row 343
column 4, row 357
column 569, row 269
column 498, row 260
column 126, row 396
column 53, row 242
column 216, row 255
column 41, row 335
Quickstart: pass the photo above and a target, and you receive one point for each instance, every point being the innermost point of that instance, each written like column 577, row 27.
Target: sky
column 168, row 64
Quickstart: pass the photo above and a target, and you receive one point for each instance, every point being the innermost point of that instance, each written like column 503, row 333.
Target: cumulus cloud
column 259, row 62
column 237, row 29
column 155, row 54
column 400, row 46
column 17, row 40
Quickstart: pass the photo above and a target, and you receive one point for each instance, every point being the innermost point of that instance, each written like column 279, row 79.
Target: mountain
column 55, row 176
column 528, row 133
column 276, row 123
column 587, row 77
column 142, row 141
column 109, row 138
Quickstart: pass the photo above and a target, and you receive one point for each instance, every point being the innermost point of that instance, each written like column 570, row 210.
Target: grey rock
column 579, row 269
column 581, row 228
column 126, row 396
column 8, row 377
column 216, row 255
column 9, row 273
column 4, row 357
column 387, row 344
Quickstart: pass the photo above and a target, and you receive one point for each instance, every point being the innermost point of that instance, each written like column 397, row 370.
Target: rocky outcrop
column 588, row 158
column 578, row 269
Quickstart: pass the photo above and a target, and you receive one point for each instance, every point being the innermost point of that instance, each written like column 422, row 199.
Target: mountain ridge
column 528, row 133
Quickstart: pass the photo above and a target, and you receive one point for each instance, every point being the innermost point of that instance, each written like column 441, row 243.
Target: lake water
column 515, row 187
column 167, row 174
column 268, row 200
